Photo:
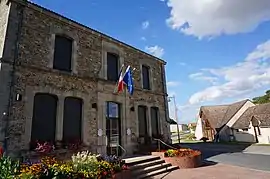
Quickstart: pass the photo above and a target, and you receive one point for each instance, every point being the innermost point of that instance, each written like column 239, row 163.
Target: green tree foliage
column 262, row 99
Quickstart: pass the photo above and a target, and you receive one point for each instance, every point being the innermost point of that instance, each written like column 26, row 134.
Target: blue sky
column 217, row 51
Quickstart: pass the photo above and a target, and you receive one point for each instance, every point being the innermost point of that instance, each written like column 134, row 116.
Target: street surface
column 217, row 171
column 233, row 155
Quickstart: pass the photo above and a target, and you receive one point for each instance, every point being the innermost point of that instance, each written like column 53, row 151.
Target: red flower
column 105, row 173
column 1, row 151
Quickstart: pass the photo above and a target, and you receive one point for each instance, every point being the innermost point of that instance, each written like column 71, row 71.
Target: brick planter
column 181, row 162
column 125, row 174
column 158, row 154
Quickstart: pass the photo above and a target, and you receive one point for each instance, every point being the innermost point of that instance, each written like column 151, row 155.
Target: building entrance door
column 113, row 128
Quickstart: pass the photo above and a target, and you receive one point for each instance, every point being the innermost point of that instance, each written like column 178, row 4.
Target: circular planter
column 181, row 162
column 185, row 162
column 125, row 174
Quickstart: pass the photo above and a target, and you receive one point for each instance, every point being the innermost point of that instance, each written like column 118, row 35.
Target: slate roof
column 261, row 112
column 220, row 115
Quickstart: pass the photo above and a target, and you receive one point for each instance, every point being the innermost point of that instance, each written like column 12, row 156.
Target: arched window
column 72, row 127
column 44, row 117
column 112, row 67
column 62, row 53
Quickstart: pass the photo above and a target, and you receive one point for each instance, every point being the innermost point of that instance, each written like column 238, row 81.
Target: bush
column 8, row 168
column 83, row 165
column 181, row 153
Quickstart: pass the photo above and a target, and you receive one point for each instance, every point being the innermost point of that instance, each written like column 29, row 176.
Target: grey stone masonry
column 87, row 80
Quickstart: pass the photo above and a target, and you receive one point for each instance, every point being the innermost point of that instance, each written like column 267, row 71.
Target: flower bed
column 82, row 165
column 184, row 158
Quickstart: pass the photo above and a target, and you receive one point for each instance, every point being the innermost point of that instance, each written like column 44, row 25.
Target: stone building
column 57, row 79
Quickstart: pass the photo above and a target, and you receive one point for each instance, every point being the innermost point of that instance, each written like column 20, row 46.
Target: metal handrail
column 160, row 141
column 125, row 151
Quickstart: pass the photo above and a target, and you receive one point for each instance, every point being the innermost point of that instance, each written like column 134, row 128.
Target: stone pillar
column 60, row 119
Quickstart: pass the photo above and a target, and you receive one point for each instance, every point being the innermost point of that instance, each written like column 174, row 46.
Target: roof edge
column 82, row 26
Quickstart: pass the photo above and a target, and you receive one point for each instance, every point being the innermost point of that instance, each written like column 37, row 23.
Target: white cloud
column 209, row 18
column 251, row 74
column 155, row 50
column 143, row 38
column 182, row 63
column 202, row 77
column 145, row 24
column 173, row 83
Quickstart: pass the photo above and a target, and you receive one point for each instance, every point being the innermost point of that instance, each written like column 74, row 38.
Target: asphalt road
column 253, row 161
column 233, row 155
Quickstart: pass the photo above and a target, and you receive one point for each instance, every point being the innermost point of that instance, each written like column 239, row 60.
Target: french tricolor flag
column 120, row 82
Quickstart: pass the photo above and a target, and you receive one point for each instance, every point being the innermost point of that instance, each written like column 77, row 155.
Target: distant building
column 182, row 127
column 242, row 121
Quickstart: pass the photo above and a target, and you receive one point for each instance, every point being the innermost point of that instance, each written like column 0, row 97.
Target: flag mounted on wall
column 125, row 79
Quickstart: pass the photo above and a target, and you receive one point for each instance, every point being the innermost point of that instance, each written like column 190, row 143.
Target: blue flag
column 127, row 79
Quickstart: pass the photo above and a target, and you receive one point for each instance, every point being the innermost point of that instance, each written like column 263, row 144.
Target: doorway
column 113, row 128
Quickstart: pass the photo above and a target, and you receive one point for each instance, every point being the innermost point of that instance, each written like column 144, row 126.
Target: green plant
column 85, row 161
column 8, row 168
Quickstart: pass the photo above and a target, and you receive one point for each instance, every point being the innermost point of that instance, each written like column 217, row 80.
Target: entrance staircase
column 148, row 166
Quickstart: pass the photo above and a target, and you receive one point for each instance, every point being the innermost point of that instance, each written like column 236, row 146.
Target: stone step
column 151, row 169
column 146, row 164
column 157, row 172
column 138, row 160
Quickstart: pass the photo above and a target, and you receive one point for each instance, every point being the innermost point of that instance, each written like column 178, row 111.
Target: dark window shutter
column 145, row 74
column 154, row 121
column 112, row 67
column 44, row 118
column 62, row 53
column 142, row 118
column 72, row 119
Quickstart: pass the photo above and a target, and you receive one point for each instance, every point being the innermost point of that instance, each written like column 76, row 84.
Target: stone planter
column 181, row 162
column 185, row 162
column 125, row 174
column 158, row 154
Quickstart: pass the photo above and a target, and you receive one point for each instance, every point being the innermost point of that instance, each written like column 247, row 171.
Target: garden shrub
column 82, row 165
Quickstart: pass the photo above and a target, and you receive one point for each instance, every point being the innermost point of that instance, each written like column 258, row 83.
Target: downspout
column 15, row 57
column 165, row 93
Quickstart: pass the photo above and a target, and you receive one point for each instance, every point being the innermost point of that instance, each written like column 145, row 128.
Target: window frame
column 149, row 87
column 71, row 65
column 34, row 115
column 81, row 120
column 108, row 67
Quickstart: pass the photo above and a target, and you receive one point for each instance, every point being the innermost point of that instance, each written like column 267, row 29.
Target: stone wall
column 87, row 80
column 9, row 23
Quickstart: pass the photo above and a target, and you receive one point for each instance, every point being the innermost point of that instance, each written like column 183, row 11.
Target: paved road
column 233, row 155
column 253, row 161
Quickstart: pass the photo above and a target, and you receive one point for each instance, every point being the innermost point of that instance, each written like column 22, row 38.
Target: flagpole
column 125, row 104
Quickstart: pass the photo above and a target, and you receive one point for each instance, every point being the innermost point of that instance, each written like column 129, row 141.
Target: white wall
column 244, row 136
column 249, row 136
column 239, row 113
column 226, row 130
column 199, row 129
column 173, row 128
column 264, row 138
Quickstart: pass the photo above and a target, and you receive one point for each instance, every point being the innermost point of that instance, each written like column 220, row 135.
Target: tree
column 262, row 99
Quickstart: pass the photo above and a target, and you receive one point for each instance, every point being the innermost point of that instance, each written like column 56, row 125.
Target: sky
column 217, row 51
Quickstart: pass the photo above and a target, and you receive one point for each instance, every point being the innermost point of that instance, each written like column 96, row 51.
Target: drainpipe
column 11, row 90
column 165, row 92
